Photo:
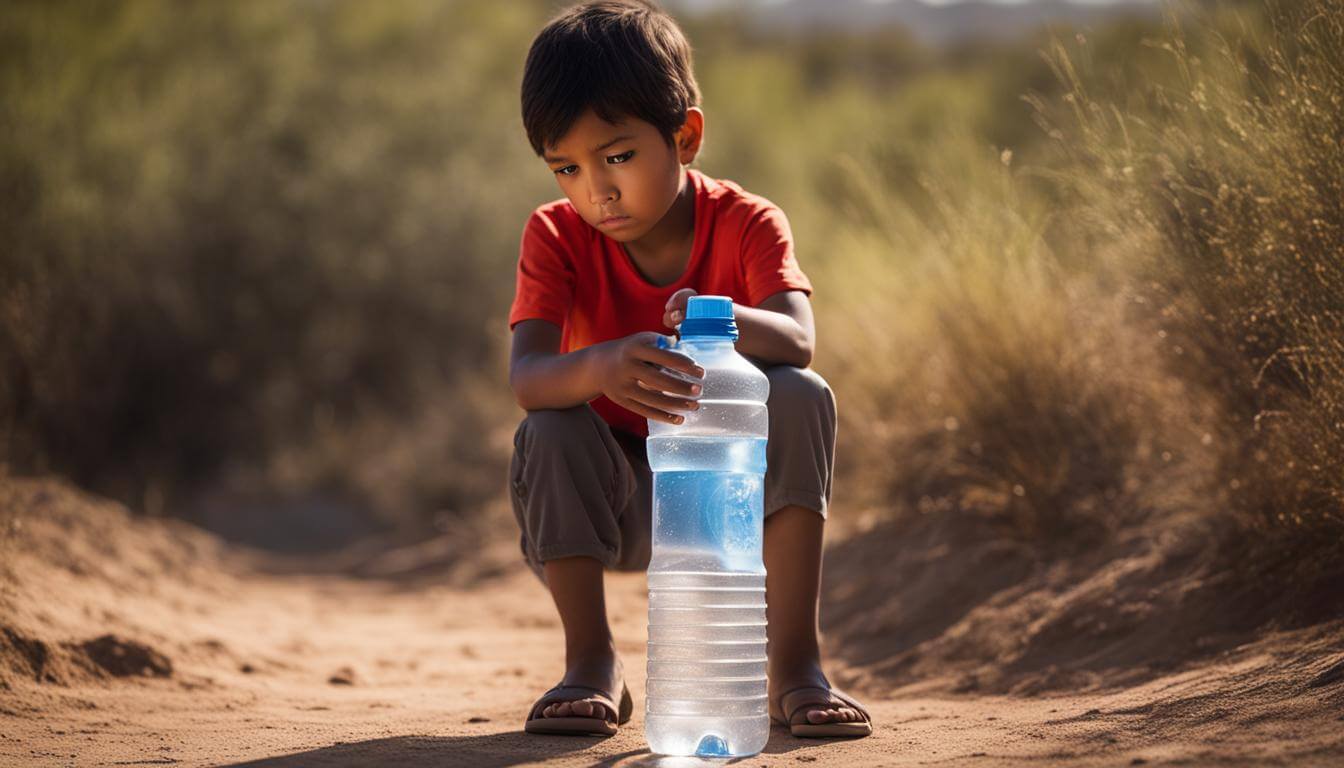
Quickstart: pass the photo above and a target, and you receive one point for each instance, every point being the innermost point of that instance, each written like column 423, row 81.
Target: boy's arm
column 781, row 330
column 625, row 370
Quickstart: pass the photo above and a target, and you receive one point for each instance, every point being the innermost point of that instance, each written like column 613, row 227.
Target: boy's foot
column 808, row 705
column 592, row 698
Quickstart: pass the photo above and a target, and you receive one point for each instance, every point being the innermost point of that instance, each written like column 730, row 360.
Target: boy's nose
column 601, row 193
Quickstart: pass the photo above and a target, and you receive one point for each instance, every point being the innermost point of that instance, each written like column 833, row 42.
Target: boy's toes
column 575, row 709
column 818, row 716
column 834, row 715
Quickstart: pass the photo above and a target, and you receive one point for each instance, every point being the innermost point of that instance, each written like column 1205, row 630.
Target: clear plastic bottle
column 706, row 691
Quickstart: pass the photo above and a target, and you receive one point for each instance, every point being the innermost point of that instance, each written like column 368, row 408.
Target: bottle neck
column 708, row 342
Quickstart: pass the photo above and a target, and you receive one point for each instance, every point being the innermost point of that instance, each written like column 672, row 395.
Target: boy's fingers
column 669, row 359
column 663, row 403
column 658, row 381
column 662, row 398
column 648, row 412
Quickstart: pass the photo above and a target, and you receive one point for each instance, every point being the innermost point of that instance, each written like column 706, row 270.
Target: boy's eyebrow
column 557, row 158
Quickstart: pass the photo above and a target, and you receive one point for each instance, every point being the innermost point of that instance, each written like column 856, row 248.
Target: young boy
column 609, row 102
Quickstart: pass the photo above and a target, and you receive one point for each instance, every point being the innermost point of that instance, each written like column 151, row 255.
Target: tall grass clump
column 1229, row 186
column 988, row 376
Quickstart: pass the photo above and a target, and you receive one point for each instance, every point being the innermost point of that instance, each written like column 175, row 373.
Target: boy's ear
column 689, row 135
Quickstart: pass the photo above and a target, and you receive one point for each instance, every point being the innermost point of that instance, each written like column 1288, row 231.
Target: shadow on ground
column 499, row 750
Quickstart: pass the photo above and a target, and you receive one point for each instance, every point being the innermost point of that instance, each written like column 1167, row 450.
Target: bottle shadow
column 497, row 750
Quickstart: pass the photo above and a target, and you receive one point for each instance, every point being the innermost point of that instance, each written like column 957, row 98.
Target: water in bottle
column 706, row 692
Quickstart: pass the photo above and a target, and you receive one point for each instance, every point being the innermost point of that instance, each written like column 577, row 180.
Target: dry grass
column 982, row 374
column 1146, row 319
column 1231, row 190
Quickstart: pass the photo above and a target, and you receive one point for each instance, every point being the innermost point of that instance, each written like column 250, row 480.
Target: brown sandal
column 576, row 725
column 810, row 695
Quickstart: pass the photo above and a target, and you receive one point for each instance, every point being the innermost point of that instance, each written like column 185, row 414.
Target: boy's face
column 623, row 169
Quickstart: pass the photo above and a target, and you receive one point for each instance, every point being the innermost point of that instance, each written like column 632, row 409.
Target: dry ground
column 141, row 642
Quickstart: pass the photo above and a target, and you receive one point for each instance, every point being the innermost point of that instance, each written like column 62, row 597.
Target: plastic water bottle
column 706, row 692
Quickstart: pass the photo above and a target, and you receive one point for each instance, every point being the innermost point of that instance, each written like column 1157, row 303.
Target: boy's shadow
column 496, row 750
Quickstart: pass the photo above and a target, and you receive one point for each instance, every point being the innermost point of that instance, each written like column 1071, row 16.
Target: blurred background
column 1077, row 265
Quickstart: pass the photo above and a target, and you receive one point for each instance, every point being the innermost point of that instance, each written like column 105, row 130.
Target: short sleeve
column 768, row 260
column 545, row 282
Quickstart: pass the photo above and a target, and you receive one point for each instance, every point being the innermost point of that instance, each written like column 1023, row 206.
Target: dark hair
column 619, row 57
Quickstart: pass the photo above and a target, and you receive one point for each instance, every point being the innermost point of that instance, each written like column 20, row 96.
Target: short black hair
column 619, row 57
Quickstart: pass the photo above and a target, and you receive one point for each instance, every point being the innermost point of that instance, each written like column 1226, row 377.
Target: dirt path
column 323, row 671
column 443, row 677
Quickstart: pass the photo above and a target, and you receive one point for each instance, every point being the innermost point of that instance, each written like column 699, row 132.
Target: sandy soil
column 145, row 642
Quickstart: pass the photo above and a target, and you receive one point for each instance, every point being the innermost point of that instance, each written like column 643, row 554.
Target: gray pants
column 580, row 488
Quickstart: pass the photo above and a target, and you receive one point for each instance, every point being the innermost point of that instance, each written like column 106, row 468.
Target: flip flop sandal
column 805, row 696
column 575, row 725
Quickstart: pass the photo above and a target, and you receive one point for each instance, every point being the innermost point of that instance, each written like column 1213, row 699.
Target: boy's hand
column 675, row 311
column 629, row 376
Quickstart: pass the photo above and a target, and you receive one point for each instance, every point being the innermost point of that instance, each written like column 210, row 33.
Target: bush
column 1231, row 185
column 233, row 231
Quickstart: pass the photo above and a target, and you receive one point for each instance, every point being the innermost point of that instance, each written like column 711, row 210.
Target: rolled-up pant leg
column 579, row 489
column 800, row 455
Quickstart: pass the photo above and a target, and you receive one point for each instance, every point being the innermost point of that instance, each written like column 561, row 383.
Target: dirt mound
column 125, row 658
column 953, row 603
column 89, row 592
column 27, row 657
column 49, row 525
column 67, row 663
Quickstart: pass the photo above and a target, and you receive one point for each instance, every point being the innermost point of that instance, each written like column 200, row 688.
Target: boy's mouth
column 613, row 221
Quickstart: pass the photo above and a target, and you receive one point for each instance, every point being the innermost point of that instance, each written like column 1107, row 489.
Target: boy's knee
column 554, row 426
column 793, row 387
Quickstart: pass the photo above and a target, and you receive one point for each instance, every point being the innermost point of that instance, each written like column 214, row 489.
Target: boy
column 609, row 102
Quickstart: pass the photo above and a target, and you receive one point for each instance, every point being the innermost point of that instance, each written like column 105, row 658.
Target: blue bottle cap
column 710, row 316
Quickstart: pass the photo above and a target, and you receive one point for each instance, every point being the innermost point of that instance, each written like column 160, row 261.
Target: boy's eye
column 618, row 159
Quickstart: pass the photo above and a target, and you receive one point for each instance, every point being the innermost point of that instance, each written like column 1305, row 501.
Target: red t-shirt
column 573, row 275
